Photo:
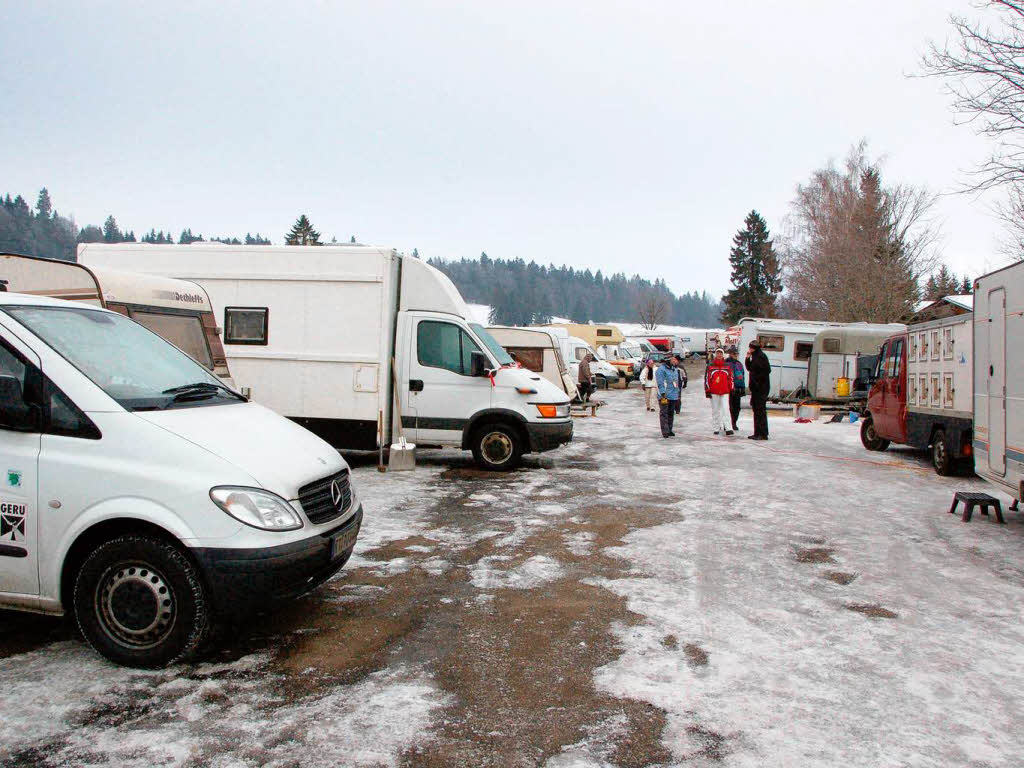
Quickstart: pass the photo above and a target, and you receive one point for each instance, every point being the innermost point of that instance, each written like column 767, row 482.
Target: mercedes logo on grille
column 336, row 494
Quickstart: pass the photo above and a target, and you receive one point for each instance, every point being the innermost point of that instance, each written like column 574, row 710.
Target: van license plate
column 343, row 541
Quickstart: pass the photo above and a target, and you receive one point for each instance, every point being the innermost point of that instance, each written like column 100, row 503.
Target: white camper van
column 788, row 345
column 333, row 336
column 998, row 383
column 142, row 496
column 538, row 350
column 177, row 310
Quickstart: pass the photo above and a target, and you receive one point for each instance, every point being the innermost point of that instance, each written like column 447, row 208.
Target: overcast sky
column 630, row 136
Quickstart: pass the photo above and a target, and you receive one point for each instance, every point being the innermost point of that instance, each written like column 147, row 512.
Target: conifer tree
column 302, row 233
column 755, row 273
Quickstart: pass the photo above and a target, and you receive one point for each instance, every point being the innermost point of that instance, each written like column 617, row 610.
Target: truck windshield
column 495, row 348
column 134, row 366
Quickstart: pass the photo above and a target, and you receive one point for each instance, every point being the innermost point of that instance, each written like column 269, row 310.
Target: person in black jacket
column 758, row 383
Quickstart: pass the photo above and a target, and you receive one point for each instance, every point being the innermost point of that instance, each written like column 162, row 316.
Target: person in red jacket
column 718, row 384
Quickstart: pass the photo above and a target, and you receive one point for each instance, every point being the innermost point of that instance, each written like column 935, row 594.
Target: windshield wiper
column 199, row 389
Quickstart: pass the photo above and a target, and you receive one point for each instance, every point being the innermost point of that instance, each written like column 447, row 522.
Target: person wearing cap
column 668, row 390
column 739, row 385
column 760, row 371
column 718, row 385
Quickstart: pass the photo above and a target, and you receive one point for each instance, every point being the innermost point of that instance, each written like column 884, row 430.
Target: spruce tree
column 755, row 273
column 302, row 233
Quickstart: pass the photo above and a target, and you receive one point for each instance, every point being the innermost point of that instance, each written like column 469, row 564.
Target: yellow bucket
column 843, row 387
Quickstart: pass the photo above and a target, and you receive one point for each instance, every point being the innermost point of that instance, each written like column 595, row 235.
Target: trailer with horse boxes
column 179, row 311
column 998, row 398
column 788, row 344
column 921, row 394
column 842, row 360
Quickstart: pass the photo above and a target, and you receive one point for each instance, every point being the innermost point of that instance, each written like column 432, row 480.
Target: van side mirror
column 15, row 413
column 477, row 364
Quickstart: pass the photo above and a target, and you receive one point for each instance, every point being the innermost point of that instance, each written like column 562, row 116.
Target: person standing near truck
column 760, row 371
column 681, row 380
column 668, row 389
column 650, row 386
column 717, row 387
column 739, row 385
column 584, row 377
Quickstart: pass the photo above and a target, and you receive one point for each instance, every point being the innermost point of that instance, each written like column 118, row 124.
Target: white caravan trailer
column 538, row 350
column 999, row 398
column 788, row 345
column 177, row 310
column 332, row 336
column 842, row 360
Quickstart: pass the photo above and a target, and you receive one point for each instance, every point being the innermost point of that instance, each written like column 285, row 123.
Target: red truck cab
column 887, row 399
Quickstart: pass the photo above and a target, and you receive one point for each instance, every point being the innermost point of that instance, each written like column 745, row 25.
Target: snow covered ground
column 626, row 600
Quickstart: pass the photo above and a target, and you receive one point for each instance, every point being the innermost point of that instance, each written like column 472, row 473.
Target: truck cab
column 886, row 421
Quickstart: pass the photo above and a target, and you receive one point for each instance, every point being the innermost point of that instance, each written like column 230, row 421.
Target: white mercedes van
column 142, row 495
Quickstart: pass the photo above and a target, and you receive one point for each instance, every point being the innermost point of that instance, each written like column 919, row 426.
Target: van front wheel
column 870, row 438
column 497, row 447
column 140, row 602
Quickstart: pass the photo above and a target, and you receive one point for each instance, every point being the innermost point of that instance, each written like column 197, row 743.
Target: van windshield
column 137, row 368
column 500, row 355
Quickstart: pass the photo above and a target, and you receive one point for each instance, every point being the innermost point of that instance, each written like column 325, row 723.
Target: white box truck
column 998, row 398
column 333, row 336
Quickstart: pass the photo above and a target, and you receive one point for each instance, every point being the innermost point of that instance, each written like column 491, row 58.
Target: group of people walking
column 725, row 384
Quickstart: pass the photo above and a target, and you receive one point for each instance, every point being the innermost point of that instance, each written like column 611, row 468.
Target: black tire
column 497, row 447
column 942, row 454
column 870, row 438
column 140, row 602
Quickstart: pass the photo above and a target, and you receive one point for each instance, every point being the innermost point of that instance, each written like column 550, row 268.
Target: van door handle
column 415, row 385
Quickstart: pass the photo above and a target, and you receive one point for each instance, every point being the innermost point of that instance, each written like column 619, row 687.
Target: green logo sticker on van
column 14, row 478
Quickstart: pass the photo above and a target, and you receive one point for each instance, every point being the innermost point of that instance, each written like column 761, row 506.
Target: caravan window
column 183, row 331
column 771, row 343
column 246, row 325
column 802, row 350
column 604, row 331
column 444, row 345
column 531, row 358
column 831, row 346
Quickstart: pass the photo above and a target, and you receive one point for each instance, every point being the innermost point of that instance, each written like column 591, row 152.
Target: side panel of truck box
column 310, row 340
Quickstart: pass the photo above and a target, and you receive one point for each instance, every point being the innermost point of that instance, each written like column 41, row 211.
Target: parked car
column 144, row 497
column 331, row 337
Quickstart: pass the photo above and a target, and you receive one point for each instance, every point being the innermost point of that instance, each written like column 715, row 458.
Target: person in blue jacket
column 668, row 390
column 739, row 383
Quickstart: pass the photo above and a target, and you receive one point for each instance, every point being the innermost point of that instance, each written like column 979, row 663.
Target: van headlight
column 560, row 411
column 254, row 507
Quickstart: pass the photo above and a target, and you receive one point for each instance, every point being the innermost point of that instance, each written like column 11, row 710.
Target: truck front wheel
column 942, row 454
column 140, row 602
column 497, row 447
column 870, row 438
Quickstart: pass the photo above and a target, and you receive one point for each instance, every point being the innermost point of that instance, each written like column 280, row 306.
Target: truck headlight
column 553, row 411
column 257, row 508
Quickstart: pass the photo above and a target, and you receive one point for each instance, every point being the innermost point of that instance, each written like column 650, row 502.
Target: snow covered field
column 626, row 600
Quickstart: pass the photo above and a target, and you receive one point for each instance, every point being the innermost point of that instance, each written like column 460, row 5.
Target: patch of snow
column 530, row 574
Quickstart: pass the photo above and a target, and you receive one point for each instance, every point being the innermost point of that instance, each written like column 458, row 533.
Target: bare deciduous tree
column 855, row 249
column 652, row 310
column 984, row 73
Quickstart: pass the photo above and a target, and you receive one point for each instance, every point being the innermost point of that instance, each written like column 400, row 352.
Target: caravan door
column 997, row 381
column 443, row 393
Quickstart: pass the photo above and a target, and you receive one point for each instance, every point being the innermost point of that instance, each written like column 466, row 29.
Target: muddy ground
column 495, row 620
